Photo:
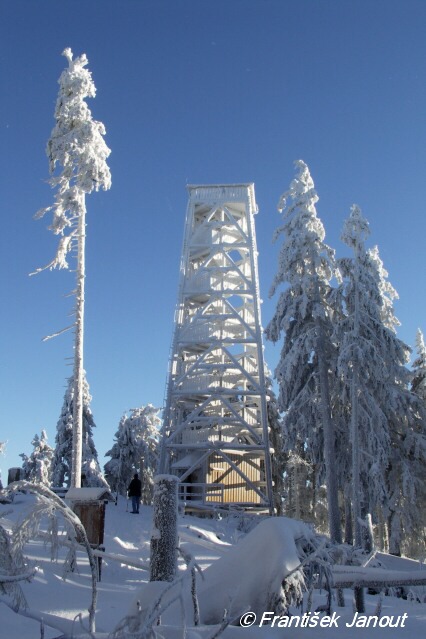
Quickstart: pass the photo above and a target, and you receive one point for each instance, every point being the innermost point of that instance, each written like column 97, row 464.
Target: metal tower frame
column 215, row 433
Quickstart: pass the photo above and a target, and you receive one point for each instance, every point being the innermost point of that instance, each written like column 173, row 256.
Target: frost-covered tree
column 61, row 465
column 405, row 476
column 418, row 385
column 12, row 563
column 383, row 414
column 303, row 316
column 357, row 362
column 37, row 467
column 124, row 455
column 135, row 450
column 77, row 146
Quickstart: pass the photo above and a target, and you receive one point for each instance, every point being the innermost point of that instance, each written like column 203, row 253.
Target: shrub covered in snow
column 38, row 466
column 135, row 450
column 61, row 465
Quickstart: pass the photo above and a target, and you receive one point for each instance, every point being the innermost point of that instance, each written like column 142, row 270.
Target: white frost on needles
column 76, row 144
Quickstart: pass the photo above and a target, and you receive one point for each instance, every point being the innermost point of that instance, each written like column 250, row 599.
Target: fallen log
column 375, row 577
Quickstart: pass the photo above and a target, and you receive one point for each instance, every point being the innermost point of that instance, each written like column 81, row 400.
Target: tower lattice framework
column 215, row 435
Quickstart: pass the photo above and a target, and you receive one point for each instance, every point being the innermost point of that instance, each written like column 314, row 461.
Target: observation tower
column 215, row 433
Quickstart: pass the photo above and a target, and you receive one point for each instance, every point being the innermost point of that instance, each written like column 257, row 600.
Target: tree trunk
column 314, row 493
column 296, row 471
column 349, row 535
column 164, row 538
column 359, row 599
column 356, row 484
column 289, row 502
column 370, row 546
column 77, row 438
column 356, row 472
column 329, row 439
column 327, row 422
column 394, row 528
column 382, row 532
column 277, row 460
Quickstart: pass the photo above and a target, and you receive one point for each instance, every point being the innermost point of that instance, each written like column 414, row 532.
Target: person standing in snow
column 135, row 491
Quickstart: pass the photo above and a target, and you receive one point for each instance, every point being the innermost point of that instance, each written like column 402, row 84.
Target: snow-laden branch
column 122, row 559
column 8, row 579
column 63, row 330
column 51, row 499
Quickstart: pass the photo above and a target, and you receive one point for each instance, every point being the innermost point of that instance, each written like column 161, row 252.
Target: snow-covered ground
column 207, row 540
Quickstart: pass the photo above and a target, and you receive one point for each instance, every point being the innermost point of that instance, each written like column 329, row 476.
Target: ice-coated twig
column 63, row 330
column 225, row 623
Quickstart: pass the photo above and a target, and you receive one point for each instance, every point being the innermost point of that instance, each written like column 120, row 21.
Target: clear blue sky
column 193, row 91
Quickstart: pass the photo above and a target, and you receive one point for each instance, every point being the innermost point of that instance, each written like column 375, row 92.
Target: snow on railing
column 206, row 331
column 225, row 193
column 209, row 381
column 250, row 366
column 252, row 418
column 198, row 283
column 196, row 332
column 200, row 492
column 198, row 383
column 190, row 436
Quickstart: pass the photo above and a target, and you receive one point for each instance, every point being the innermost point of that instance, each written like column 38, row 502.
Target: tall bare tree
column 76, row 146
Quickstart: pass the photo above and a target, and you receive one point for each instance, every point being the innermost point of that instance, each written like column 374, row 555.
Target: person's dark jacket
column 135, row 488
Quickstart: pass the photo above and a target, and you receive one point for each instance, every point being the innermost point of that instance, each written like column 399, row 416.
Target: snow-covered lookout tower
column 215, row 419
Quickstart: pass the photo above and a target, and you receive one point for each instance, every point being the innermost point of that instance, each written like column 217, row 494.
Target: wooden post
column 164, row 538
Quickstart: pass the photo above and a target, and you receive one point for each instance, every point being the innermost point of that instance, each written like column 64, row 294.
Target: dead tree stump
column 164, row 538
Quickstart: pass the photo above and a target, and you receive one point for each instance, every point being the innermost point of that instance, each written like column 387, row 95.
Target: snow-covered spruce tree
column 354, row 348
column 306, row 266
column 418, row 385
column 77, row 146
column 357, row 364
column 416, row 545
column 405, row 476
column 135, row 450
column 37, row 467
column 62, row 460
column 387, row 445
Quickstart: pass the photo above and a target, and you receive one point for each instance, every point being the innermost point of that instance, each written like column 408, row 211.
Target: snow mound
column 246, row 578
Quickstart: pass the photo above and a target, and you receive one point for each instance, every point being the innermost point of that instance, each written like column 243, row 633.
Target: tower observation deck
column 215, row 436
